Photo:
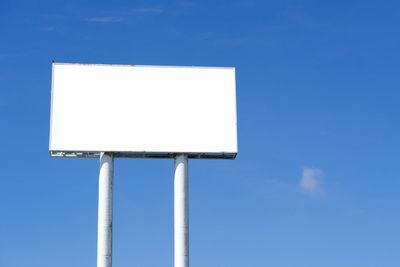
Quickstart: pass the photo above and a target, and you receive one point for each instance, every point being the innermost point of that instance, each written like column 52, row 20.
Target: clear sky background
column 317, row 178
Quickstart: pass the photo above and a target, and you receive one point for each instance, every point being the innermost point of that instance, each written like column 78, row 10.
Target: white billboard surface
column 143, row 111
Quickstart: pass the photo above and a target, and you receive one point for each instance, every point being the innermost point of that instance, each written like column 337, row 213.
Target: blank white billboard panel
column 143, row 111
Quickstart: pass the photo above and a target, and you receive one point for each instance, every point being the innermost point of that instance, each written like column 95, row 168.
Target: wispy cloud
column 245, row 3
column 237, row 40
column 186, row 3
column 47, row 29
column 3, row 101
column 311, row 180
column 125, row 15
column 148, row 10
column 103, row 19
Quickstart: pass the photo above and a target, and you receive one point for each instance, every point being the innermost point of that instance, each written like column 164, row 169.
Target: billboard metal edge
column 150, row 66
column 51, row 104
column 142, row 154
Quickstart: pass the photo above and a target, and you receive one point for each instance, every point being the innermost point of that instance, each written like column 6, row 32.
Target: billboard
column 142, row 111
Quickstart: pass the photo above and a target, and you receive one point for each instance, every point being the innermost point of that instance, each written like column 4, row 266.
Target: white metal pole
column 181, row 212
column 105, row 212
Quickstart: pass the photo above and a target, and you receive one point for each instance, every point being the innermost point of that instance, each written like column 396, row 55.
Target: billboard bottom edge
column 191, row 155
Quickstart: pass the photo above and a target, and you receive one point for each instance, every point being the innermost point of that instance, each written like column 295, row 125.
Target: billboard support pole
column 181, row 212
column 105, row 212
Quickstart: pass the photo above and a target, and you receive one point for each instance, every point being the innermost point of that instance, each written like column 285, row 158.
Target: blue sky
column 316, row 181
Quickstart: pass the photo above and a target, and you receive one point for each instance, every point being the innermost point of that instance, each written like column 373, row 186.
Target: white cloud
column 47, row 29
column 103, row 19
column 2, row 100
column 186, row 3
column 125, row 15
column 311, row 180
column 154, row 10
